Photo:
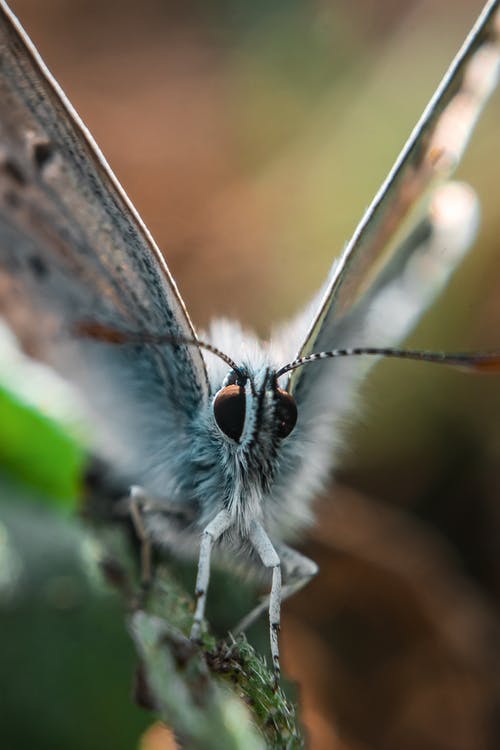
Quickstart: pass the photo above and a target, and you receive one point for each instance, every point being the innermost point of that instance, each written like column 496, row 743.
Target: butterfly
column 225, row 438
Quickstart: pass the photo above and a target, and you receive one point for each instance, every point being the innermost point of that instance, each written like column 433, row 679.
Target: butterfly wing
column 384, row 280
column 376, row 257
column 73, row 248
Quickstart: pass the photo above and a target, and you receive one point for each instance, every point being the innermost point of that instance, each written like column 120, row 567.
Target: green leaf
column 39, row 452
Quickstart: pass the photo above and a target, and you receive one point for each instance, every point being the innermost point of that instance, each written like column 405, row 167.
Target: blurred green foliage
column 66, row 660
column 38, row 452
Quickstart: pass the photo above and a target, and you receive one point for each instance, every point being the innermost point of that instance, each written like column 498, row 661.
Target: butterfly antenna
column 111, row 335
column 475, row 361
column 213, row 350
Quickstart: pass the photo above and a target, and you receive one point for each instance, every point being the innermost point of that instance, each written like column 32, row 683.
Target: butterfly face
column 243, row 409
column 230, row 459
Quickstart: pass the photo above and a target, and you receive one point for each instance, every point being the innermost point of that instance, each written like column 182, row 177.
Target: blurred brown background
column 251, row 135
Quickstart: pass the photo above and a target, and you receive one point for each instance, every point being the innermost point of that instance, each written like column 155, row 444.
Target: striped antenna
column 475, row 361
column 112, row 335
column 482, row 362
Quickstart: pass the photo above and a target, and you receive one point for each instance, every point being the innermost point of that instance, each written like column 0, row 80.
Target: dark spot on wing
column 38, row 266
column 14, row 172
column 43, row 153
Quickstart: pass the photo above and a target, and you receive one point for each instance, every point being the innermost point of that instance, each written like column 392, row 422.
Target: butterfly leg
column 138, row 504
column 264, row 548
column 298, row 570
column 211, row 533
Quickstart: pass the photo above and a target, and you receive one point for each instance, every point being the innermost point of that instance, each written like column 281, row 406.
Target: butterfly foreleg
column 270, row 558
column 211, row 533
column 297, row 571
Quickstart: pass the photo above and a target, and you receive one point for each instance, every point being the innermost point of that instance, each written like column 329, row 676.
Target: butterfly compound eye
column 286, row 413
column 229, row 411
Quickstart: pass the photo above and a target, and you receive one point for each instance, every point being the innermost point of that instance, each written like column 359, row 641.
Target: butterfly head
column 249, row 404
